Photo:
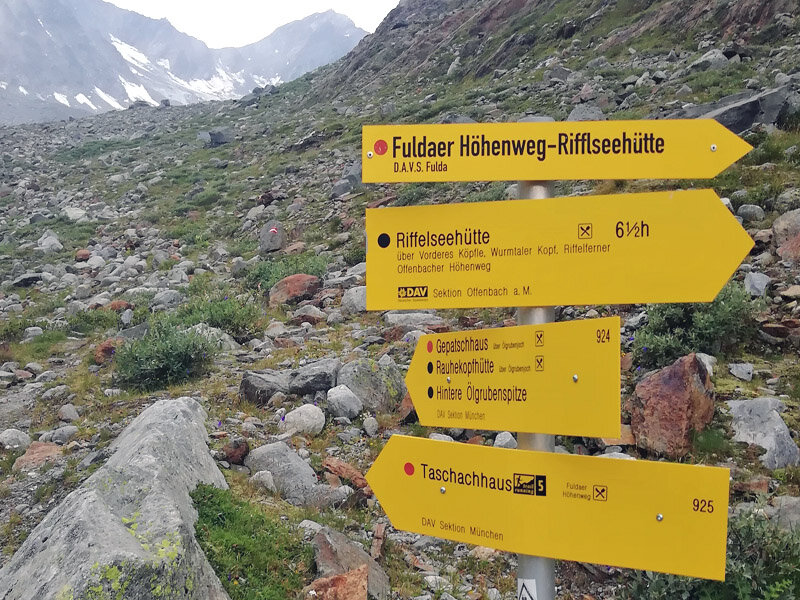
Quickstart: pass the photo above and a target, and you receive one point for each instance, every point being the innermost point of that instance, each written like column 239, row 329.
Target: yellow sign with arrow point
column 628, row 513
column 560, row 378
column 666, row 149
column 617, row 249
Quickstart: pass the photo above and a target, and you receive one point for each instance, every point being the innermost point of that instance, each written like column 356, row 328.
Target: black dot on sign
column 384, row 240
column 430, row 367
column 430, row 392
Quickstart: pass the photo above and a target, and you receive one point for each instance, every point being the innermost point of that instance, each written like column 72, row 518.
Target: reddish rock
column 477, row 440
column 509, row 322
column 626, row 362
column 22, row 375
column 285, row 343
column 393, row 334
column 119, row 305
column 36, row 455
column 777, row 330
column 345, row 471
column 295, row 248
column 439, row 328
column 105, row 351
column 294, row 288
column 790, row 249
column 378, row 537
column 407, row 412
column 625, row 439
column 235, row 451
column 335, row 553
column 348, row 586
column 670, row 404
column 757, row 485
column 82, row 255
column 382, row 202
column 333, row 480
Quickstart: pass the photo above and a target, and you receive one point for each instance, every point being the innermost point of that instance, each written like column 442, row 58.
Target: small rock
column 758, row 422
column 304, row 419
column 371, row 426
column 236, row 450
column 14, row 439
column 36, row 455
column 505, row 439
column 62, row 435
column 68, row 413
column 342, row 402
column 743, row 371
column 263, row 479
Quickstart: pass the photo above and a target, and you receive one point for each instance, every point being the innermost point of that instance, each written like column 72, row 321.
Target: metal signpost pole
column 535, row 574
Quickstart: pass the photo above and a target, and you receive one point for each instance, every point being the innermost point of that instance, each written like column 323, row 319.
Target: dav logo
column 410, row 292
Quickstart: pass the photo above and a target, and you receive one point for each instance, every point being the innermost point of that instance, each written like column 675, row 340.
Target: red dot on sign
column 430, row 346
column 381, row 147
column 409, row 469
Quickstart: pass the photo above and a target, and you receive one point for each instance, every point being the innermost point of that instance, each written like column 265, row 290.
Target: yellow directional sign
column 627, row 248
column 555, row 378
column 626, row 513
column 668, row 149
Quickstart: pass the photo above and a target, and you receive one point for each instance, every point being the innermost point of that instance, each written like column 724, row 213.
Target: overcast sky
column 238, row 22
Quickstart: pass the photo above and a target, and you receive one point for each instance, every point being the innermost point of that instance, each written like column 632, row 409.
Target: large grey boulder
column 354, row 300
column 272, row 237
column 758, row 422
column 294, row 479
column 130, row 526
column 14, row 439
column 259, row 387
column 378, row 384
column 342, row 402
column 318, row 376
column 335, row 554
column 306, row 418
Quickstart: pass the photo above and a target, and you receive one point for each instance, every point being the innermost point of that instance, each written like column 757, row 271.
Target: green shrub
column 88, row 321
column 356, row 252
column 265, row 274
column 255, row 556
column 165, row 356
column 224, row 312
column 677, row 329
column 13, row 329
column 763, row 563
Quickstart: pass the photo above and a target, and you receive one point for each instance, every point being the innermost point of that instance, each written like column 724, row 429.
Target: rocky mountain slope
column 216, row 252
column 60, row 59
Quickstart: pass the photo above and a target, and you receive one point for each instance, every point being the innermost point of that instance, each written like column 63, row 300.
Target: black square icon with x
column 584, row 231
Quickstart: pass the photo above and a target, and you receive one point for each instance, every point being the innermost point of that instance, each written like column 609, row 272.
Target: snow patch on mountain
column 130, row 53
column 60, row 98
column 108, row 99
column 3, row 85
column 136, row 91
column 81, row 98
column 22, row 90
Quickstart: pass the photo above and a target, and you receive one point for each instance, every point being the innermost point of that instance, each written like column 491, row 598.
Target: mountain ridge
column 62, row 59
